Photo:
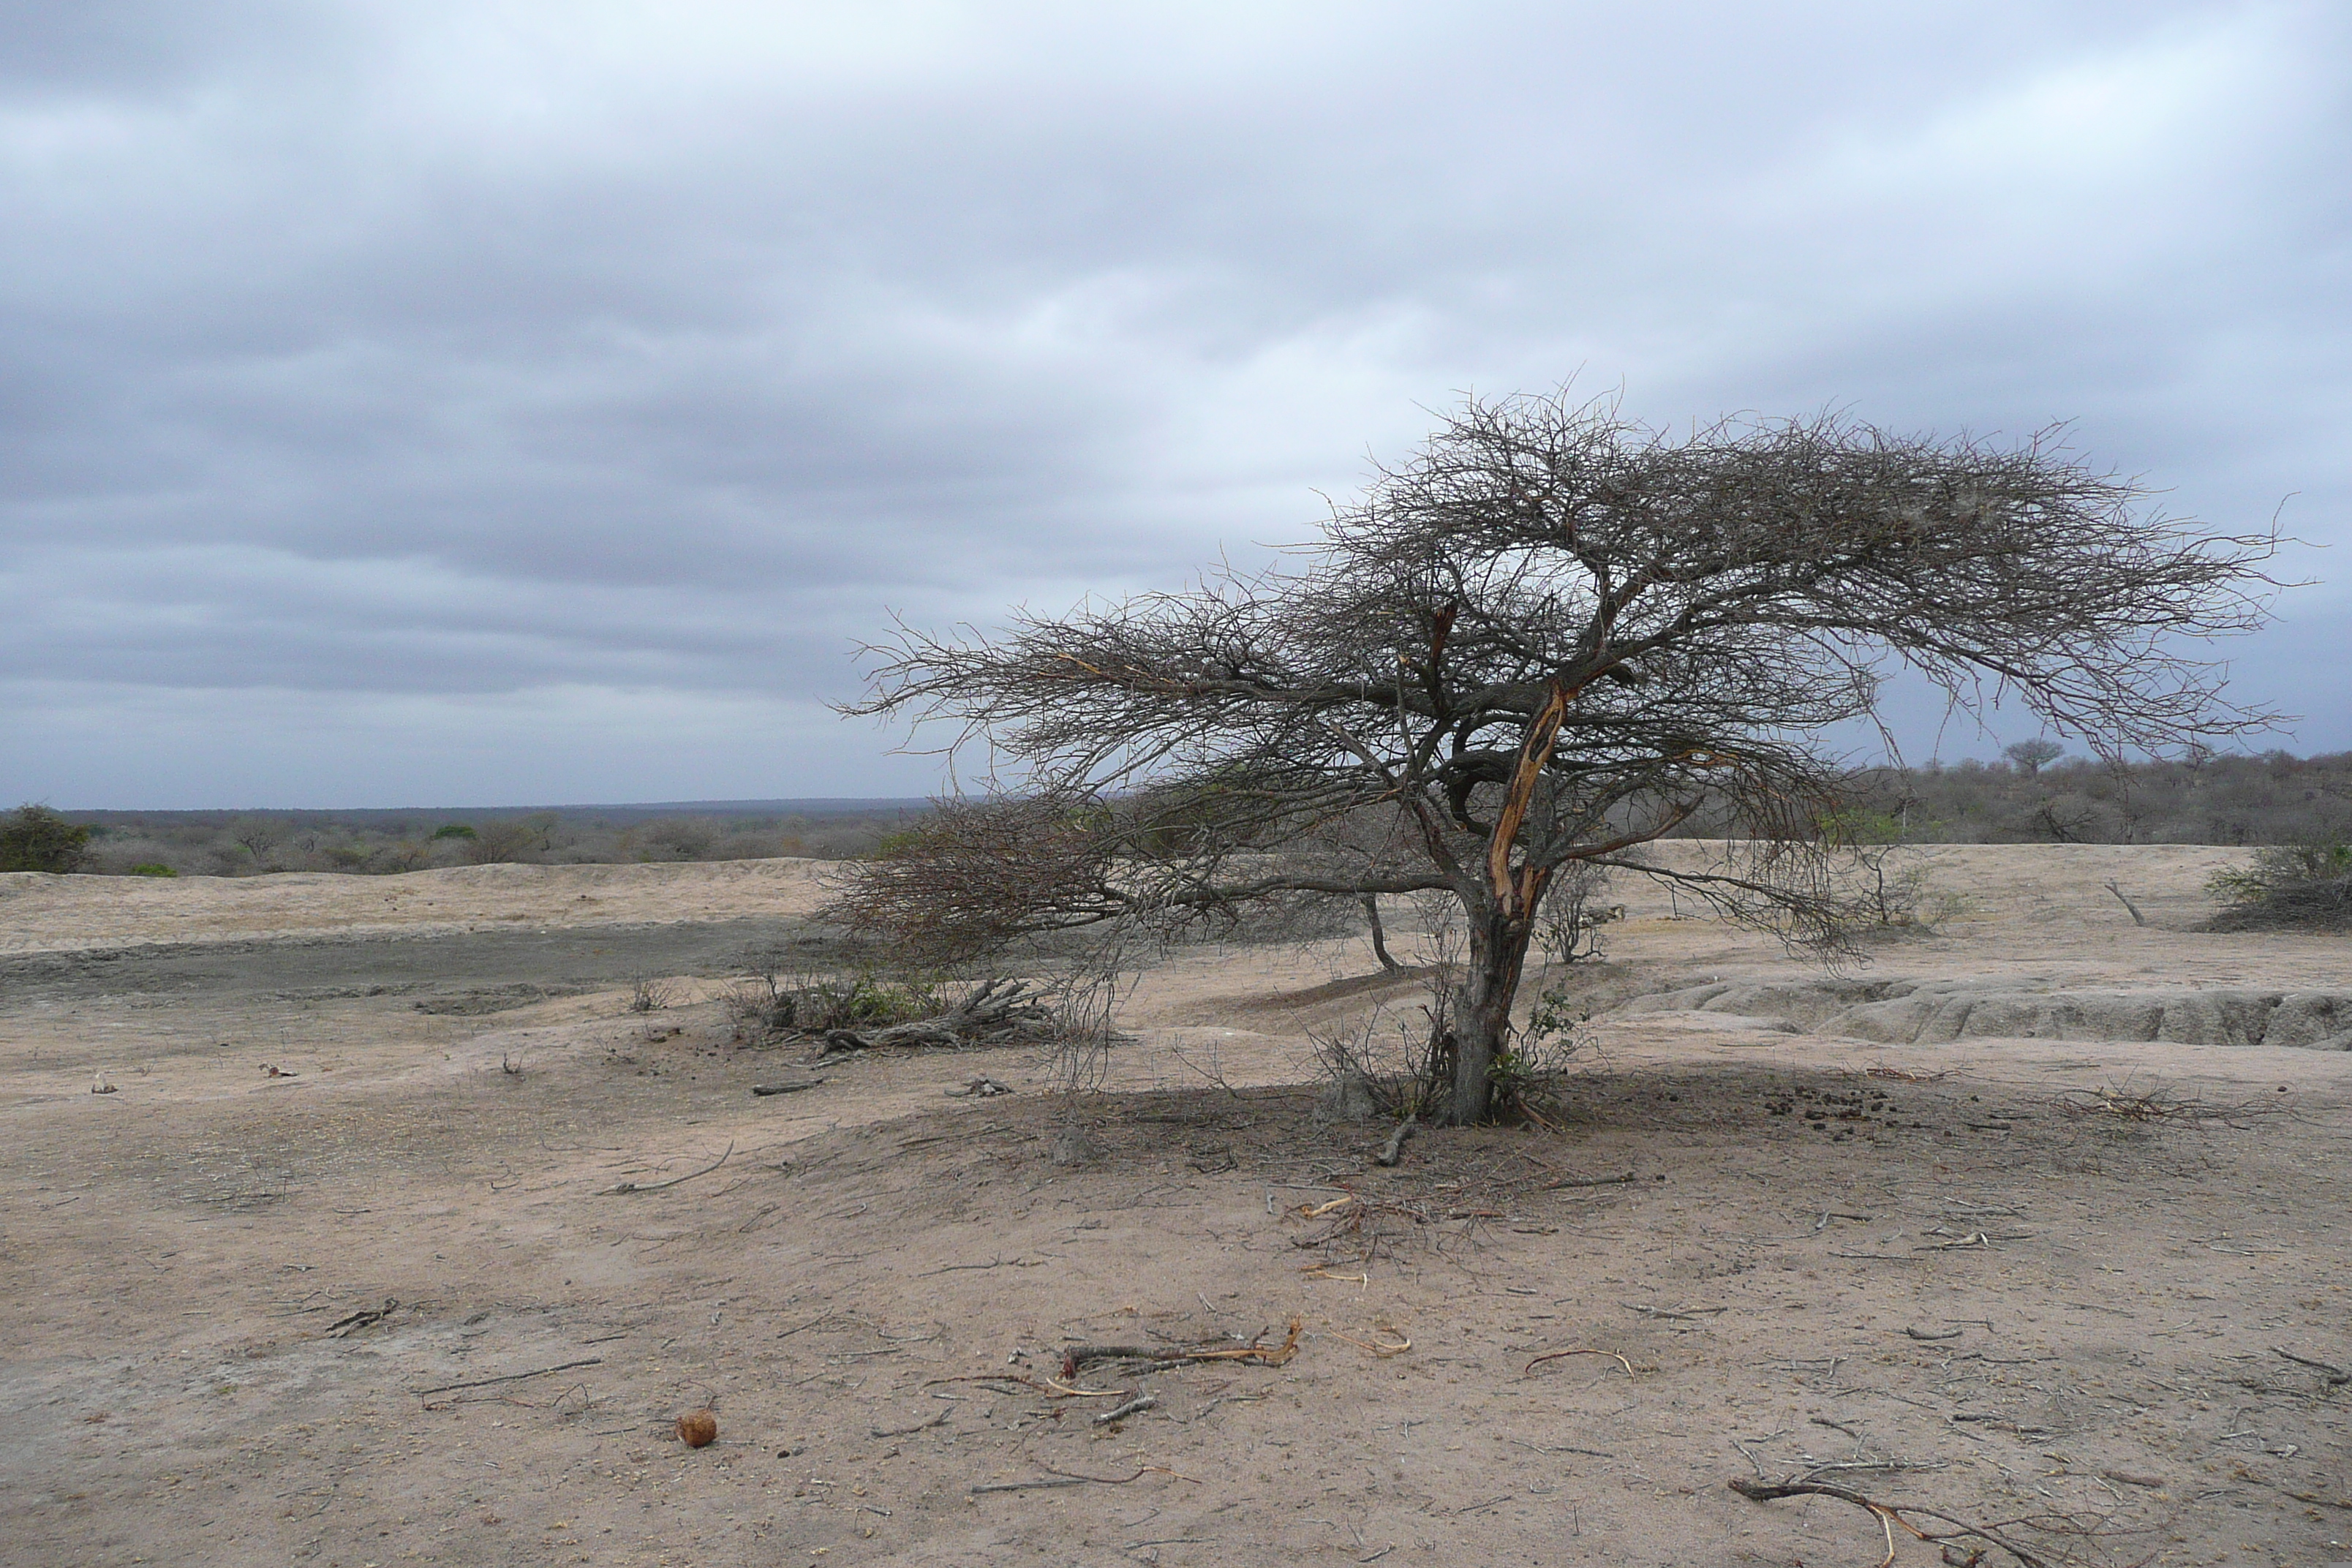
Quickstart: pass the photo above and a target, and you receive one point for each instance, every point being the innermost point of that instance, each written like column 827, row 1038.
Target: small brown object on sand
column 697, row 1428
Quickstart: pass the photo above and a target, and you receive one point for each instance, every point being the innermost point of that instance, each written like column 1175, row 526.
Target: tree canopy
column 1548, row 637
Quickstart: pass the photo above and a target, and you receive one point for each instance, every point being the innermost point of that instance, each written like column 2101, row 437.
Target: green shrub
column 2307, row 885
column 150, row 868
column 454, row 830
column 35, row 838
column 813, row 1003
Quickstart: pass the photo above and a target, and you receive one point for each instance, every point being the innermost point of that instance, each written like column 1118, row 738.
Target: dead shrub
column 651, row 996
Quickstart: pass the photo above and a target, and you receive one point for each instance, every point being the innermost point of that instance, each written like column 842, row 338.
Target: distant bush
column 511, row 839
column 150, row 868
column 35, row 838
column 454, row 830
column 407, row 855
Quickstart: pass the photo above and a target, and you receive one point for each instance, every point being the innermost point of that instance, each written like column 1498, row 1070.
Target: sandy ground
column 61, row 914
column 1965, row 1285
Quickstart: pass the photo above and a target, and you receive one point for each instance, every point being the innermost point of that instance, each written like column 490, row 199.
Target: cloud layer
column 533, row 402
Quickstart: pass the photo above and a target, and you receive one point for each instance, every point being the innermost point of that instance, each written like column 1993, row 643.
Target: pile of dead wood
column 998, row 1012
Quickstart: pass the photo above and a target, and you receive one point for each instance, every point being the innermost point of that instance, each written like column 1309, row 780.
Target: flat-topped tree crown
column 1548, row 636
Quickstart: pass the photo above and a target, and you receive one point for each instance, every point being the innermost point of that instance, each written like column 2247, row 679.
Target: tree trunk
column 1379, row 936
column 1482, row 1005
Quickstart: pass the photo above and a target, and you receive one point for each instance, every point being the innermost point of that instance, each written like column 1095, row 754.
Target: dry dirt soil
column 2089, row 1293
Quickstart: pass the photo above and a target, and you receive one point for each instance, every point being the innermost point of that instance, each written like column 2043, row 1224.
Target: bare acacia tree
column 258, row 836
column 1547, row 639
column 2029, row 755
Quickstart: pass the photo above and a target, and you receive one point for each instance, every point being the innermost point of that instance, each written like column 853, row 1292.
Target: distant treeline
column 2036, row 795
column 244, row 844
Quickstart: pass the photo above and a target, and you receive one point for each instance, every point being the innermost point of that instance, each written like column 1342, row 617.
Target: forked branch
column 1890, row 1515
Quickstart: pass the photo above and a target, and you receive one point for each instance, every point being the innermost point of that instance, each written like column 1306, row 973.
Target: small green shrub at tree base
column 151, row 869
column 35, row 838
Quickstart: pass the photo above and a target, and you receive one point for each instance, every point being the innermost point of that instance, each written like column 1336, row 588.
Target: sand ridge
column 42, row 914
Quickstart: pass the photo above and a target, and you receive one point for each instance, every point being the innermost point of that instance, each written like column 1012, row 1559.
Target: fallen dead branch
column 1556, row 1356
column 1382, row 1352
column 2335, row 1376
column 2157, row 1102
column 673, row 1181
column 1255, row 1353
column 1889, row 1515
column 1357, row 1216
column 1039, row 1484
column 998, row 1012
column 1393, row 1149
column 790, row 1088
column 1567, row 1182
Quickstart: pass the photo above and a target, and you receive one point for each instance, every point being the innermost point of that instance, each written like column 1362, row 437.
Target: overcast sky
column 522, row 403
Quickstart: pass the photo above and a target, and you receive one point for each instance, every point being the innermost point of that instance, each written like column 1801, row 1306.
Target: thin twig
column 657, row 1186
column 1135, row 1407
column 511, row 1377
column 939, row 1420
column 2336, row 1375
column 1067, row 1479
column 1555, row 1355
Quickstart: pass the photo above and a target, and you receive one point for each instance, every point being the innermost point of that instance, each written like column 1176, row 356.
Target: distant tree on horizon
column 2029, row 755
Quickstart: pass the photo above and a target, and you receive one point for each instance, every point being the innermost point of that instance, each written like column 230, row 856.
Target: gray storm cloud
column 535, row 402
